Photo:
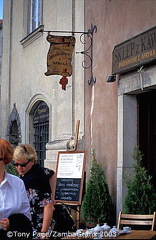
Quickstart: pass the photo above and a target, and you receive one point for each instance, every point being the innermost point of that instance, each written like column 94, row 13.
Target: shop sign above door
column 134, row 52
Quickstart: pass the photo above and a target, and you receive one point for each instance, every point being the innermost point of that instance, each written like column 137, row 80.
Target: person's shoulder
column 13, row 178
column 48, row 172
column 9, row 175
column 41, row 172
column 45, row 170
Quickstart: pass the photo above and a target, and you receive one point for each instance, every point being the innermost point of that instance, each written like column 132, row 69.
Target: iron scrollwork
column 88, row 52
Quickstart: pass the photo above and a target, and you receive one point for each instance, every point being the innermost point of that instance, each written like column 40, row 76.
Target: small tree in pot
column 141, row 195
column 97, row 206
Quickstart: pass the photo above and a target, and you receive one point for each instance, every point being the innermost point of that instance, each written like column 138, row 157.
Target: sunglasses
column 21, row 164
column 1, row 159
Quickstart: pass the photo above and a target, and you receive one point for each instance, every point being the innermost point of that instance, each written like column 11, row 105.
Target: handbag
column 63, row 219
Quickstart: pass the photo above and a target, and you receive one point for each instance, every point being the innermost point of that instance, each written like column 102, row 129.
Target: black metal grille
column 41, row 127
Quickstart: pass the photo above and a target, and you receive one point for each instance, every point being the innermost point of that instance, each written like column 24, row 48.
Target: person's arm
column 5, row 223
column 47, row 217
column 25, row 206
column 17, row 222
column 52, row 182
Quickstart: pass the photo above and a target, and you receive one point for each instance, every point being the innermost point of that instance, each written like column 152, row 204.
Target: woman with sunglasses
column 14, row 204
column 37, row 182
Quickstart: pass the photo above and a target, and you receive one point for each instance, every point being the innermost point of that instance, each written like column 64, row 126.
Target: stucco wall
column 25, row 63
column 97, row 105
column 116, row 21
column 1, row 35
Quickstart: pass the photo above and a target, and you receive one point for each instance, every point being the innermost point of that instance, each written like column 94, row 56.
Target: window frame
column 40, row 121
column 35, row 13
column 31, row 36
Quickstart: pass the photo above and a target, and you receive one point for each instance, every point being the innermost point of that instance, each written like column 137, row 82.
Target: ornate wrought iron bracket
column 88, row 52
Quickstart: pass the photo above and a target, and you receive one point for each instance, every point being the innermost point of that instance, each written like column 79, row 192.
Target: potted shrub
column 141, row 195
column 97, row 206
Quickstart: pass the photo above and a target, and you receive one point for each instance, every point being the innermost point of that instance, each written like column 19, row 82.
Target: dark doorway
column 147, row 131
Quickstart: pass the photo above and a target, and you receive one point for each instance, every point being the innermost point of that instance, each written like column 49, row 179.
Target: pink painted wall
column 116, row 21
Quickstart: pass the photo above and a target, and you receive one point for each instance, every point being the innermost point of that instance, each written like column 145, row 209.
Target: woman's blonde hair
column 6, row 151
column 25, row 151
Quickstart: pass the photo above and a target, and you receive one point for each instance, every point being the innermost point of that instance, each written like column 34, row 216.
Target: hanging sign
column 134, row 52
column 59, row 57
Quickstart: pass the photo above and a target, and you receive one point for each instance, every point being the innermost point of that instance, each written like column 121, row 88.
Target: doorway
column 147, row 131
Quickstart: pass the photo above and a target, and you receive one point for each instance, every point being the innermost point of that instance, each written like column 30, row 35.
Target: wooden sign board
column 70, row 175
column 135, row 52
column 60, row 55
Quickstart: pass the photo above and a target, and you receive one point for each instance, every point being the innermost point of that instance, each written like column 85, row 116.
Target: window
column 32, row 21
column 41, row 130
column 35, row 14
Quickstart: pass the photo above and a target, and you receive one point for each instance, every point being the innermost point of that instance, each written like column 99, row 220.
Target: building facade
column 1, row 37
column 114, row 116
column 123, row 114
column 35, row 107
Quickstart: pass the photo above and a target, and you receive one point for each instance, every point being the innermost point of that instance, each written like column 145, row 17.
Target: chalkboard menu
column 70, row 174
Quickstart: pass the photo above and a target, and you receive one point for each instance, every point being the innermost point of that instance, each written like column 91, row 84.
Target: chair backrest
column 140, row 220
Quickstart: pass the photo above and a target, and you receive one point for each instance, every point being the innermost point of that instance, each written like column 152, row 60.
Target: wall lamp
column 111, row 78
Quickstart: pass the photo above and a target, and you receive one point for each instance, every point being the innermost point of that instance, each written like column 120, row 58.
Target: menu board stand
column 69, row 179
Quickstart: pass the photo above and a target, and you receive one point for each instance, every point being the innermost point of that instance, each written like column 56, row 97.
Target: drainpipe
column 10, row 53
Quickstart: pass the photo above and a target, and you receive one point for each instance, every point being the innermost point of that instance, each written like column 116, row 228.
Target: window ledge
column 32, row 36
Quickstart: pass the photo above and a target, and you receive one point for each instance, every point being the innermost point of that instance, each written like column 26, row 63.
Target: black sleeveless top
column 39, row 192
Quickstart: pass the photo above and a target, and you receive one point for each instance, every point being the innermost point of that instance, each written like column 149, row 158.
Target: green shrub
column 141, row 195
column 11, row 169
column 97, row 206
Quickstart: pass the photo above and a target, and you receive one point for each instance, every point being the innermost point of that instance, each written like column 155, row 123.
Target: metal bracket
column 89, row 52
column 140, row 71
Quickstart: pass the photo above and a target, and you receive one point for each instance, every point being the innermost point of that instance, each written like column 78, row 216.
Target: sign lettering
column 60, row 55
column 134, row 52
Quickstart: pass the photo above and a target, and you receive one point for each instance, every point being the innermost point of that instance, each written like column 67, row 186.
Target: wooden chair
column 140, row 220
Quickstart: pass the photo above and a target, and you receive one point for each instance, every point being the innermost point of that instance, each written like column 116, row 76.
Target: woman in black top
column 37, row 182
